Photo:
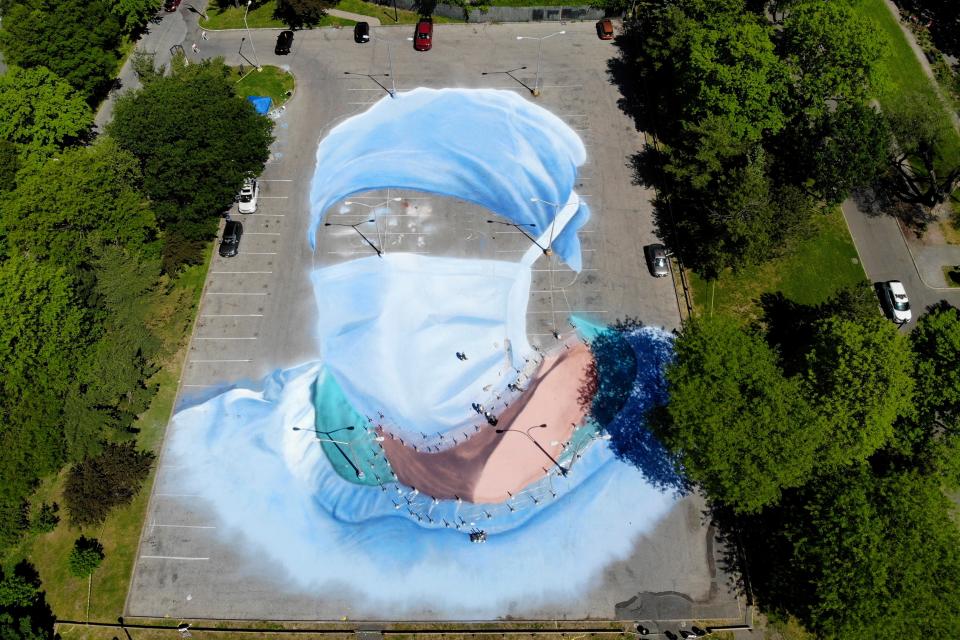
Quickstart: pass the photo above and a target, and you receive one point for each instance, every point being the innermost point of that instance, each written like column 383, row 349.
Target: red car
column 605, row 29
column 171, row 5
column 423, row 36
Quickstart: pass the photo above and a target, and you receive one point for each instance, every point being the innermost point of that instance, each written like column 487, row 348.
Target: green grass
column 809, row 274
column 952, row 275
column 271, row 81
column 902, row 73
column 385, row 12
column 174, row 310
column 258, row 18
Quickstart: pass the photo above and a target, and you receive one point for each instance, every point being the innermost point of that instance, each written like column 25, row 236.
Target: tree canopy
column 40, row 112
column 744, row 431
column 76, row 39
column 748, row 120
column 192, row 167
column 104, row 481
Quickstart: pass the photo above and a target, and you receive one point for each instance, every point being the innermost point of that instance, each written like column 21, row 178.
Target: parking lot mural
column 365, row 477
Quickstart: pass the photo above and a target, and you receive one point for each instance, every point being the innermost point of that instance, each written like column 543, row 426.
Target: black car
column 230, row 243
column 361, row 33
column 284, row 40
column 657, row 261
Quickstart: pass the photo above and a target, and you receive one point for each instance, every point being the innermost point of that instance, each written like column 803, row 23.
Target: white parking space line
column 273, row 180
column 262, row 253
column 260, row 233
column 199, row 338
column 199, row 385
column 273, row 198
column 182, row 526
column 232, row 315
column 223, row 272
column 170, row 558
column 233, row 293
column 221, row 361
column 268, row 215
column 178, row 495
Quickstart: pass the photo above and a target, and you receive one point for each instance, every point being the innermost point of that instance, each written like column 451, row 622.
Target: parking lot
column 257, row 311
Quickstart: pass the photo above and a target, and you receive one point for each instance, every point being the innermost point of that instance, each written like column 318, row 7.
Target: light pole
column 563, row 470
column 392, row 92
column 354, row 227
column 336, row 443
column 509, row 72
column 556, row 213
column 536, row 84
column 374, row 207
column 255, row 58
column 546, row 250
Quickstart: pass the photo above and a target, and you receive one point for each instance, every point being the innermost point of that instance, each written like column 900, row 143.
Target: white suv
column 247, row 202
column 897, row 301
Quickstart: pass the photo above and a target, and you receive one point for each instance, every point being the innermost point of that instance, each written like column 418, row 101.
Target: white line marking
column 198, row 385
column 271, row 215
column 232, row 315
column 261, row 233
column 233, row 293
column 170, row 558
column 274, row 197
column 262, row 253
column 182, row 526
column 199, row 338
column 179, row 495
column 241, row 272
column 221, row 361
column 272, row 180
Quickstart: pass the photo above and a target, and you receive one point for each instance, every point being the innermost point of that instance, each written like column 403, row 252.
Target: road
column 886, row 255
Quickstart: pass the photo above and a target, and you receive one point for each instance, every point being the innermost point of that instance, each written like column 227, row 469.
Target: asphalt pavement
column 257, row 311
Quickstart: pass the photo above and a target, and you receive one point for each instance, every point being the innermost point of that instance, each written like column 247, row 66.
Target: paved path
column 886, row 255
column 356, row 17
column 164, row 32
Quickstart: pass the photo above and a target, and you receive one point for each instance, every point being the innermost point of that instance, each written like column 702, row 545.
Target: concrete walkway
column 356, row 17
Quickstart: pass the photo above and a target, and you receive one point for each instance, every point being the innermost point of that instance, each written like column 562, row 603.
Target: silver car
column 657, row 260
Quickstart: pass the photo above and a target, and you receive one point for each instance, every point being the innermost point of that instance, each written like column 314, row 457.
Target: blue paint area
column 389, row 329
column 490, row 147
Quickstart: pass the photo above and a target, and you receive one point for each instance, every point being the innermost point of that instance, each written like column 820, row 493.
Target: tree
column 76, row 39
column 9, row 165
column 86, row 556
column 857, row 555
column 850, row 151
column 920, row 173
column 859, row 376
column 302, row 13
column 40, row 112
column 143, row 65
column 192, row 167
column 744, row 431
column 67, row 211
column 133, row 14
column 831, row 51
column 47, row 518
column 104, row 481
column 42, row 339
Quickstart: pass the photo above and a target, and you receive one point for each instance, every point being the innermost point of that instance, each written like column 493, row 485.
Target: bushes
column 104, row 481
column 86, row 556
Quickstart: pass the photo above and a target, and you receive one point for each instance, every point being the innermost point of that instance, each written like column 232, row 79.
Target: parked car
column 605, row 29
column 171, row 5
column 896, row 302
column 230, row 242
column 284, row 42
column 249, row 194
column 361, row 32
column 657, row 260
column 423, row 36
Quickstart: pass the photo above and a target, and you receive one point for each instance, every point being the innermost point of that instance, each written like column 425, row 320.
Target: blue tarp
column 261, row 103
